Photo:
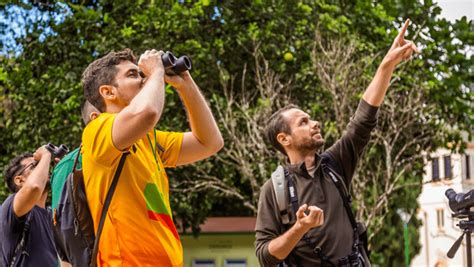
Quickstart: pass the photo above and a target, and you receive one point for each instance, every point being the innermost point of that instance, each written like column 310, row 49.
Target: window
column 204, row 263
column 235, row 263
column 435, row 169
column 447, row 167
column 440, row 217
column 468, row 167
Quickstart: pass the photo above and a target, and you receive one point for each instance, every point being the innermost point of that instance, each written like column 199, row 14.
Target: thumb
column 400, row 51
column 406, row 46
column 301, row 210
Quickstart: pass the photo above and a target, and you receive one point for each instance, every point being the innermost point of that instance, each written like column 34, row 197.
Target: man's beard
column 310, row 145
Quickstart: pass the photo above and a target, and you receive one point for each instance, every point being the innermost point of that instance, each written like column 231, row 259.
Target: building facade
column 223, row 242
column 443, row 170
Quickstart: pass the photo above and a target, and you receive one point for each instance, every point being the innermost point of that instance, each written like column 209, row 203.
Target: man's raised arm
column 145, row 109
column 205, row 139
column 33, row 188
column 401, row 49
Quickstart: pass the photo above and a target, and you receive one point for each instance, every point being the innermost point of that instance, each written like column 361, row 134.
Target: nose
column 316, row 124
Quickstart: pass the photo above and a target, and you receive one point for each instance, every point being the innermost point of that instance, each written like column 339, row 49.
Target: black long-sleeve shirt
column 335, row 236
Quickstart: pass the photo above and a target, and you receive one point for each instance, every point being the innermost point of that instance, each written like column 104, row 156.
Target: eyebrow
column 131, row 70
column 303, row 116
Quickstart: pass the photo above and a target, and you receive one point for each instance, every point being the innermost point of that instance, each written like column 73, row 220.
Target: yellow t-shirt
column 138, row 229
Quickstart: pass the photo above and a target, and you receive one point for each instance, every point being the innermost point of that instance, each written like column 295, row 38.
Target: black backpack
column 72, row 221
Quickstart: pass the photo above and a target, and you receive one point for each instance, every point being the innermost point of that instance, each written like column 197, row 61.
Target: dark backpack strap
column 21, row 244
column 346, row 200
column 108, row 199
column 76, row 179
column 295, row 205
column 76, row 159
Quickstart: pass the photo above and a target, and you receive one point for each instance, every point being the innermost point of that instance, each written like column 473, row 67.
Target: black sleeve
column 347, row 150
column 10, row 222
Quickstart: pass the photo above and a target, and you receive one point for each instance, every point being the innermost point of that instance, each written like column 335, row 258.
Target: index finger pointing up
column 404, row 28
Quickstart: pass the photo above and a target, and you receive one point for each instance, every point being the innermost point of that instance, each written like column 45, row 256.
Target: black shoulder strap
column 21, row 244
column 295, row 205
column 346, row 199
column 292, row 192
column 108, row 199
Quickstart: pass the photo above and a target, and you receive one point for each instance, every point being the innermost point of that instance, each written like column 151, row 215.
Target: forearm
column 151, row 98
column 33, row 188
column 141, row 115
column 39, row 176
column 202, row 122
column 375, row 93
column 281, row 246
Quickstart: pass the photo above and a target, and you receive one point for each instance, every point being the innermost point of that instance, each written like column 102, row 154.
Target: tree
column 238, row 49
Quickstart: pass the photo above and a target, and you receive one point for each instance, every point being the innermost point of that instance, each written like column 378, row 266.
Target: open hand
column 401, row 49
column 313, row 218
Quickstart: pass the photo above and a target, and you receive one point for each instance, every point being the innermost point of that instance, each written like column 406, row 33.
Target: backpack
column 73, row 226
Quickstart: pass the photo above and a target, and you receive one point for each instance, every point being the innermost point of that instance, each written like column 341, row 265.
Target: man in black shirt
column 24, row 213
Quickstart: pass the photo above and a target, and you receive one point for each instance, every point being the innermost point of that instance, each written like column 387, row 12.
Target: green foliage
column 40, row 88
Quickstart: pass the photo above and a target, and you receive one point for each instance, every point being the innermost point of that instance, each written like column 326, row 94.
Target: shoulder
column 327, row 158
column 7, row 216
column 267, row 187
column 8, row 201
column 101, row 121
column 267, row 191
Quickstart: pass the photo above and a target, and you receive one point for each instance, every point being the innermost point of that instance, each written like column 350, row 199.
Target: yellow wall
column 219, row 247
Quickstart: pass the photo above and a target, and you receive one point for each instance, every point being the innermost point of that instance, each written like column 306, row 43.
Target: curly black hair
column 12, row 168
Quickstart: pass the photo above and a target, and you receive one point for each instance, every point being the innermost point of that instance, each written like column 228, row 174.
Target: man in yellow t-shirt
column 139, row 229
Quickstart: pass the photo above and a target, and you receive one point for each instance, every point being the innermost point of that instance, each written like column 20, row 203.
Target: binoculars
column 174, row 65
column 57, row 152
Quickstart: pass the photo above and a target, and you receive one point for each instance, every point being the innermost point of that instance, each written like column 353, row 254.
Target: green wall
column 219, row 247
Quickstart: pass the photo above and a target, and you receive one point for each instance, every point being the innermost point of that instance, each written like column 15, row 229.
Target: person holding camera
column 26, row 232
column 316, row 226
column 138, row 229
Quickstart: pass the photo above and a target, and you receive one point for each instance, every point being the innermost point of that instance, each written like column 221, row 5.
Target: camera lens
column 450, row 194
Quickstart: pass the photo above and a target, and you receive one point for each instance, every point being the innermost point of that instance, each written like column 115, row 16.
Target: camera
column 174, row 65
column 355, row 259
column 460, row 203
column 57, row 152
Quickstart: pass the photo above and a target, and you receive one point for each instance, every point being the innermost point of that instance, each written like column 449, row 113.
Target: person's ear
column 93, row 115
column 284, row 139
column 19, row 180
column 107, row 92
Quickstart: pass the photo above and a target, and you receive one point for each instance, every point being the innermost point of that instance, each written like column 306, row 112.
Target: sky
column 455, row 9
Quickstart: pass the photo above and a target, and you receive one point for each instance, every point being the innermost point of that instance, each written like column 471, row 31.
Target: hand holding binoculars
column 174, row 65
column 57, row 152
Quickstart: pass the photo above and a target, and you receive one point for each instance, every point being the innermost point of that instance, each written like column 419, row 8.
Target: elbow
column 218, row 144
column 264, row 256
